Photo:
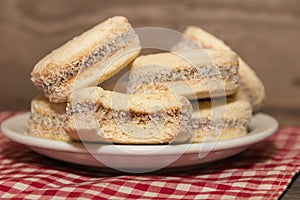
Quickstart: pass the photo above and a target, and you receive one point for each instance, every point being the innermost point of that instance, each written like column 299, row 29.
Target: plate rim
column 117, row 149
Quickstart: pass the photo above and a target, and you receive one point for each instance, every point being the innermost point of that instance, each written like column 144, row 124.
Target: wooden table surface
column 265, row 33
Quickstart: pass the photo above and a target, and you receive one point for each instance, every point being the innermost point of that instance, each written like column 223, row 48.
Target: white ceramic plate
column 139, row 158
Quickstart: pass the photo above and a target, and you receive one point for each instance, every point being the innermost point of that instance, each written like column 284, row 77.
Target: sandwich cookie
column 193, row 74
column 220, row 120
column 98, row 115
column 251, row 88
column 47, row 119
column 87, row 59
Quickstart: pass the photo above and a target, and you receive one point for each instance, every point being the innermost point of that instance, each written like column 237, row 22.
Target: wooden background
column 265, row 33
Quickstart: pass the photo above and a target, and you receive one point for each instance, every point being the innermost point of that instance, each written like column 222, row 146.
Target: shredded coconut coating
column 141, row 76
column 49, row 82
column 207, row 124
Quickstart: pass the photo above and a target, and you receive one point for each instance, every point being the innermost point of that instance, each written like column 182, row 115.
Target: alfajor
column 220, row 119
column 251, row 88
column 87, row 60
column 98, row 115
column 193, row 74
column 47, row 119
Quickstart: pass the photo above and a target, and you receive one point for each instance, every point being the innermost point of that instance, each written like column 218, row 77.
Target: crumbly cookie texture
column 105, row 116
column 200, row 71
column 220, row 119
column 92, row 57
column 47, row 119
column 252, row 88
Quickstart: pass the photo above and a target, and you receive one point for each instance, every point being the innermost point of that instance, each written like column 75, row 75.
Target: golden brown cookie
column 251, row 89
column 105, row 116
column 220, row 119
column 193, row 74
column 87, row 60
column 47, row 119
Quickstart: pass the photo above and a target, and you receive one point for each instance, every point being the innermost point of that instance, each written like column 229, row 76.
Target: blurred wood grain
column 265, row 33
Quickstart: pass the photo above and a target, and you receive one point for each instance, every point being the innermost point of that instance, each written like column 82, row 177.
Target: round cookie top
column 80, row 46
column 206, row 39
column 187, row 59
column 145, row 103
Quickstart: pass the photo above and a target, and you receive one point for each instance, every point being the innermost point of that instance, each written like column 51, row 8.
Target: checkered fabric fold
column 262, row 172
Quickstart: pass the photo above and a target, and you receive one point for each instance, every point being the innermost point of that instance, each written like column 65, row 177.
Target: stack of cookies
column 191, row 94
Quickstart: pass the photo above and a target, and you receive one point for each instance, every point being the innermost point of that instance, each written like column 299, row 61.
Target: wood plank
column 264, row 33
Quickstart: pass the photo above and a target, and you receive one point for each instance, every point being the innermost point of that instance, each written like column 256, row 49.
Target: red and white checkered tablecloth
column 262, row 172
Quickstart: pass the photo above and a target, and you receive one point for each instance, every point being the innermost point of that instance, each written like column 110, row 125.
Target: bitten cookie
column 193, row 74
column 220, row 120
column 251, row 88
column 105, row 116
column 47, row 119
column 87, row 59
